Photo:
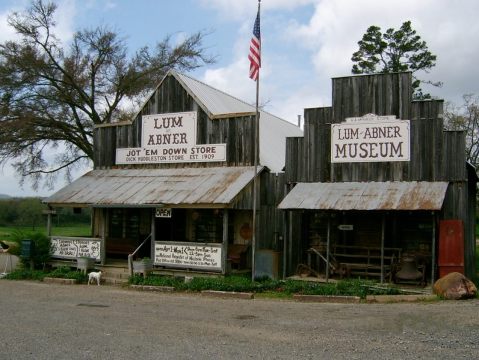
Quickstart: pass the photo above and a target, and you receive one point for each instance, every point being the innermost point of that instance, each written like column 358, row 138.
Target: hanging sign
column 370, row 138
column 163, row 212
column 170, row 138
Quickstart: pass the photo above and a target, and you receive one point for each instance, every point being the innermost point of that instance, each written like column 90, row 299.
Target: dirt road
column 45, row 321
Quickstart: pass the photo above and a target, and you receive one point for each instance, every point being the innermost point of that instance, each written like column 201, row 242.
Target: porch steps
column 114, row 274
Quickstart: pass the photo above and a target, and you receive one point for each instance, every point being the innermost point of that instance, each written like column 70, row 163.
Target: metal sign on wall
column 370, row 138
column 170, row 138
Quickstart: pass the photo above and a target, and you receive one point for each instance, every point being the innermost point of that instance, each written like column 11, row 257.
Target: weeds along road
column 46, row 321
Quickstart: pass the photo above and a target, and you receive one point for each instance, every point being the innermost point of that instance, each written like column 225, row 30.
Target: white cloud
column 232, row 79
column 64, row 17
column 6, row 31
column 451, row 33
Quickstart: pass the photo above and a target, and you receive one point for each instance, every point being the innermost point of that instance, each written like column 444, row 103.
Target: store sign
column 188, row 255
column 370, row 138
column 72, row 248
column 170, row 138
column 163, row 212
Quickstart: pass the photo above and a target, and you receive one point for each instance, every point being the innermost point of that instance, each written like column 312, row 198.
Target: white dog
column 94, row 276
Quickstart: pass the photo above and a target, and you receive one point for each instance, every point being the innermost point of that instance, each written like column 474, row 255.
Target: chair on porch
column 238, row 255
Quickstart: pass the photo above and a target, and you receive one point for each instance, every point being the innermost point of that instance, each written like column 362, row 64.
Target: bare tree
column 465, row 117
column 51, row 95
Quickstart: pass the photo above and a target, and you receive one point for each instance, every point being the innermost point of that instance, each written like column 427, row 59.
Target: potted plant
column 84, row 263
column 142, row 266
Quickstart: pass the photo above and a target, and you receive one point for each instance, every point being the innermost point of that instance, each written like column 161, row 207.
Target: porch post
column 104, row 221
column 224, row 256
column 285, row 244
column 49, row 221
column 152, row 237
column 383, row 224
column 433, row 250
column 290, row 242
column 328, row 238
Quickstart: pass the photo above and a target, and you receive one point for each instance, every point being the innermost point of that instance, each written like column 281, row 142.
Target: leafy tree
column 29, row 212
column 465, row 117
column 51, row 95
column 394, row 51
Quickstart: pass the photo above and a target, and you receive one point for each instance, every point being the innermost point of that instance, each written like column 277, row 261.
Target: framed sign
column 188, row 255
column 72, row 248
column 370, row 138
column 170, row 138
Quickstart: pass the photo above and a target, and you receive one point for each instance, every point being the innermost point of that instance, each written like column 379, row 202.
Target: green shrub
column 26, row 274
column 155, row 280
column 42, row 247
column 61, row 272
column 65, row 272
column 349, row 287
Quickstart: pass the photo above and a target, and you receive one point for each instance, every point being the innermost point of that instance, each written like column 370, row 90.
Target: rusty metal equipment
column 410, row 271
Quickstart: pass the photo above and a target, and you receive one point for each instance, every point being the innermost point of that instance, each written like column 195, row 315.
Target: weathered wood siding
column 382, row 94
column 436, row 155
column 236, row 132
column 270, row 219
column 433, row 152
column 295, row 170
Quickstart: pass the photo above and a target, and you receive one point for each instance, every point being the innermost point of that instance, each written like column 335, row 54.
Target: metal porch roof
column 216, row 186
column 366, row 196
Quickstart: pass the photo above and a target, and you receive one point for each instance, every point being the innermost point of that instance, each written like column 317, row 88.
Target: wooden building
column 175, row 184
column 376, row 187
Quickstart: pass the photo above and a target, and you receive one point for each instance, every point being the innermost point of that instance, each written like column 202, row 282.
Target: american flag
column 254, row 55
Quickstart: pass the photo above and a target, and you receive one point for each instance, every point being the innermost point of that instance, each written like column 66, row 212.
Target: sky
column 305, row 43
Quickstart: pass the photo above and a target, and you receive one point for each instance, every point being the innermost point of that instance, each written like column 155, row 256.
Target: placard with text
column 170, row 138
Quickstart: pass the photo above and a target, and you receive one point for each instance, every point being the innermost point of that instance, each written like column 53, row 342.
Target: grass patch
column 67, row 273
column 77, row 230
column 61, row 272
column 266, row 287
column 26, row 274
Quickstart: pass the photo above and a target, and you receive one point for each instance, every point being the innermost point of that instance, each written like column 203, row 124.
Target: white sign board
column 370, row 139
column 188, row 255
column 72, row 248
column 170, row 138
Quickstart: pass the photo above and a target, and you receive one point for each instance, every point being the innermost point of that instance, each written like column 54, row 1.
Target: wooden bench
column 365, row 261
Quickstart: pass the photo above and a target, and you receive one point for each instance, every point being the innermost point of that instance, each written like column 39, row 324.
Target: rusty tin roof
column 211, row 186
column 366, row 196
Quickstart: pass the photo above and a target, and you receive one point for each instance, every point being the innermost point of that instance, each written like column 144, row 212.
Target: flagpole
column 255, row 178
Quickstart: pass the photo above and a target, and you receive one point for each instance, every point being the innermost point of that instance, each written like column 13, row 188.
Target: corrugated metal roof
column 149, row 187
column 272, row 129
column 217, row 103
column 366, row 196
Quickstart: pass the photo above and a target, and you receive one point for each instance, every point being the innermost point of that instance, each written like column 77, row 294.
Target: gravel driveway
column 47, row 321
